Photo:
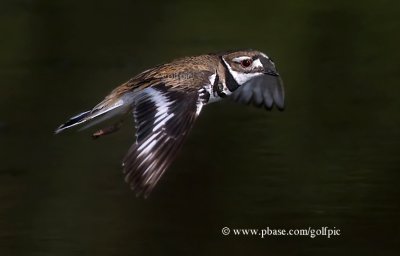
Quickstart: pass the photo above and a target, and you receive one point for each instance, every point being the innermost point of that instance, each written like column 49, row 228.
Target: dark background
column 330, row 159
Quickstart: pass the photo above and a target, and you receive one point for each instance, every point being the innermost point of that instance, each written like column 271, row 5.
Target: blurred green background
column 330, row 159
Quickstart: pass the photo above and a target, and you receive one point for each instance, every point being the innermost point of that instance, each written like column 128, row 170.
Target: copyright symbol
column 225, row 231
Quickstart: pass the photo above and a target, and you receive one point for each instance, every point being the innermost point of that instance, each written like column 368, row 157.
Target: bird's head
column 248, row 64
column 252, row 77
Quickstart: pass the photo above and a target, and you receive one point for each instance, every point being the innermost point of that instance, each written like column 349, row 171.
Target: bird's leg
column 107, row 130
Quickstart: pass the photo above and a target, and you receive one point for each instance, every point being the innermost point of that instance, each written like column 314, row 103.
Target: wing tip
column 280, row 105
column 137, row 185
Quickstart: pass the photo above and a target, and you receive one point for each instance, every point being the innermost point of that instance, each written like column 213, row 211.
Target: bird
column 166, row 100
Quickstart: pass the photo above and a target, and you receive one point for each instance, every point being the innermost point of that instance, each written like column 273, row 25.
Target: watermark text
column 265, row 232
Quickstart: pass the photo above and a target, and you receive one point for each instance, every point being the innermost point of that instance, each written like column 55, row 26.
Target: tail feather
column 99, row 114
column 73, row 121
column 111, row 106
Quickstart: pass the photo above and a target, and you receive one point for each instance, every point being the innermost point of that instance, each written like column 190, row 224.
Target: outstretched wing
column 163, row 118
column 264, row 91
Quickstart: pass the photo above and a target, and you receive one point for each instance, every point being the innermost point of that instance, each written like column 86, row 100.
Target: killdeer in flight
column 166, row 100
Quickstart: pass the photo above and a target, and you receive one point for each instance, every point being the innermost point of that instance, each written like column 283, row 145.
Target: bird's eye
column 246, row 63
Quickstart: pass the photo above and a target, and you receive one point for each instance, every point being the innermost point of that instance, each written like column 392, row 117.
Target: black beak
column 271, row 73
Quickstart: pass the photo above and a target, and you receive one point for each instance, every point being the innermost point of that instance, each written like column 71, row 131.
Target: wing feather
column 163, row 119
column 264, row 91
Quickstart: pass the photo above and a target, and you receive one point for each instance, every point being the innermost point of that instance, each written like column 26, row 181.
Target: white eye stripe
column 255, row 64
column 240, row 59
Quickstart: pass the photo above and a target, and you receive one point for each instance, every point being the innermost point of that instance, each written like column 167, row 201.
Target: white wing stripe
column 162, row 122
column 160, row 100
column 160, row 116
column 144, row 145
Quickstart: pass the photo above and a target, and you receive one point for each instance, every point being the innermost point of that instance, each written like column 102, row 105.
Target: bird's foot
column 107, row 130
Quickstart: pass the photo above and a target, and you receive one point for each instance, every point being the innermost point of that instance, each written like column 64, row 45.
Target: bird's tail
column 98, row 114
column 73, row 121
